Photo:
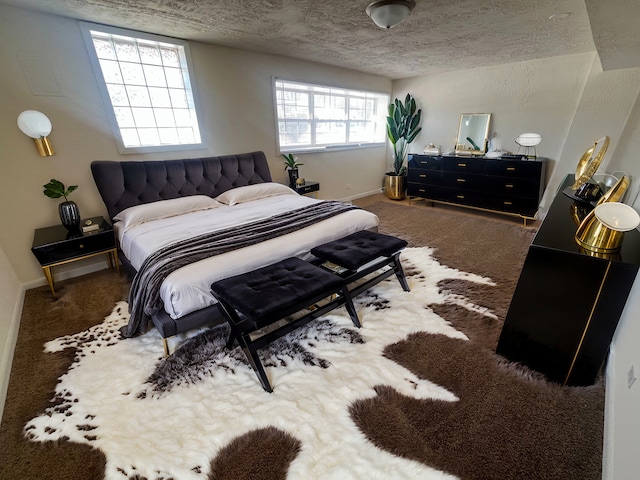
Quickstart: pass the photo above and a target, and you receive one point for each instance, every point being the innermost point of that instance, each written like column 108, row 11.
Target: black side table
column 308, row 187
column 53, row 246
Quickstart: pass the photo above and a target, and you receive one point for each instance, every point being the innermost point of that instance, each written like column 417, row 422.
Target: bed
column 226, row 211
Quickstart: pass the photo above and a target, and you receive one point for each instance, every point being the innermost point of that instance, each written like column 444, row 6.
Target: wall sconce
column 37, row 126
column 389, row 13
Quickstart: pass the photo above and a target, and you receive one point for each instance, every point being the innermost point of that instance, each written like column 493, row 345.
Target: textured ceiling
column 437, row 36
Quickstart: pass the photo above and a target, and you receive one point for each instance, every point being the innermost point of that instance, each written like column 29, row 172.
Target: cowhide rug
column 202, row 414
column 170, row 418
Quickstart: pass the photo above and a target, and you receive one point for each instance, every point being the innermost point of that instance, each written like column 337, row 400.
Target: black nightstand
column 55, row 246
column 308, row 187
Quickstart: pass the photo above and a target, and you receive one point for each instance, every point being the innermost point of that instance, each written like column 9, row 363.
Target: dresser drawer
column 513, row 168
column 425, row 162
column 426, row 177
column 461, row 164
column 504, row 203
column 465, row 181
column 521, row 187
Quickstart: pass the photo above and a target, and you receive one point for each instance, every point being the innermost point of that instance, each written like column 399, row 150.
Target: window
column 145, row 80
column 314, row 117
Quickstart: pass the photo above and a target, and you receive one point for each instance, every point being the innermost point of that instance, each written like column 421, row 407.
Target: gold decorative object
column 590, row 161
column 395, row 186
column 602, row 231
column 300, row 182
column 615, row 193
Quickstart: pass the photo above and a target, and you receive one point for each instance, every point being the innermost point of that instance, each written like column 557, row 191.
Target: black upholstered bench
column 256, row 304
column 358, row 255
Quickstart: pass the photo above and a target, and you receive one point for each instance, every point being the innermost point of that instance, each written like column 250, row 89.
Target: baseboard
column 609, row 417
column 9, row 349
column 361, row 195
column 77, row 271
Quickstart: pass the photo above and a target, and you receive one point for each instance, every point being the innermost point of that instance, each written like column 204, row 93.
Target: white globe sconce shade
column 37, row 126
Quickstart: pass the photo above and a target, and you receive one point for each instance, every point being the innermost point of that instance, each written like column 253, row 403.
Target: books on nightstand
column 92, row 227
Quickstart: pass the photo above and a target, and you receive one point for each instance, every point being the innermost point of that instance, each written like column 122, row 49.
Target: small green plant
column 56, row 189
column 290, row 161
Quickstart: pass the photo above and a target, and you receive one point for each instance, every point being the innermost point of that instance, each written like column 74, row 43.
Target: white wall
column 237, row 109
column 11, row 296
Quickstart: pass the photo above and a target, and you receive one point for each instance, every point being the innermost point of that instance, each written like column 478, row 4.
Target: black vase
column 69, row 215
column 293, row 176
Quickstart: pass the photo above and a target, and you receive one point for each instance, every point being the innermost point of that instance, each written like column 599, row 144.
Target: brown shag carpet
column 508, row 423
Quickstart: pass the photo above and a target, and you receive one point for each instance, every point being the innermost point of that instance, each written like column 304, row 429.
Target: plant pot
column 69, row 215
column 395, row 186
column 293, row 176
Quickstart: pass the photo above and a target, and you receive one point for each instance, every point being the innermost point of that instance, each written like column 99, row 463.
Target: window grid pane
column 318, row 116
column 148, row 84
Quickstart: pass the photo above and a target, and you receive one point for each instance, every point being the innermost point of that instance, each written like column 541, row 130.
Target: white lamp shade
column 387, row 14
column 617, row 216
column 34, row 124
column 529, row 139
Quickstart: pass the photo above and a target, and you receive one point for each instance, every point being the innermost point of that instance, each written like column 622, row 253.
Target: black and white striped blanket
column 144, row 296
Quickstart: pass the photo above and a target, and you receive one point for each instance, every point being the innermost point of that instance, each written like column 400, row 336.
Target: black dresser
column 511, row 186
column 567, row 302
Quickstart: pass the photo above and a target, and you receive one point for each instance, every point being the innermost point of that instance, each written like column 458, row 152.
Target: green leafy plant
column 290, row 161
column 56, row 189
column 403, row 125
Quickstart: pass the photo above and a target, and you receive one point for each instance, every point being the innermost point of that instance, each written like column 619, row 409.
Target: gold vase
column 395, row 186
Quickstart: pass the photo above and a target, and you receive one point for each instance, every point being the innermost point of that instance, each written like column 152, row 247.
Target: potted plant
column 403, row 125
column 68, row 210
column 291, row 165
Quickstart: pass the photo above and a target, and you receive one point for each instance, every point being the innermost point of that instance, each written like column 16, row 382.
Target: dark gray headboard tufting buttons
column 125, row 184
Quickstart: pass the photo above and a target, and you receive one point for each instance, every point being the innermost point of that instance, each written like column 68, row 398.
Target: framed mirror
column 473, row 134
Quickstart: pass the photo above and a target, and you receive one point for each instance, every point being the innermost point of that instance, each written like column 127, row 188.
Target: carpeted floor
column 506, row 425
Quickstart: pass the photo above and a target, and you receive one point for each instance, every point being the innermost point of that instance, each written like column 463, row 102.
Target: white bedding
column 188, row 289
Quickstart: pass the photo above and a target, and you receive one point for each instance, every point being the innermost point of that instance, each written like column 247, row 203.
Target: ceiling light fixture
column 389, row 13
column 36, row 125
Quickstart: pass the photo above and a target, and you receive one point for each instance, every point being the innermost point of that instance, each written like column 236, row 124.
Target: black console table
column 567, row 302
column 508, row 186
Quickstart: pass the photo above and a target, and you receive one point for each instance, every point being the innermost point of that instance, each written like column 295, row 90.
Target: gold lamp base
column 44, row 147
column 595, row 236
column 602, row 230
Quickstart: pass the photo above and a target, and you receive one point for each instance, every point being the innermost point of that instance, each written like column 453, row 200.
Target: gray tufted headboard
column 125, row 184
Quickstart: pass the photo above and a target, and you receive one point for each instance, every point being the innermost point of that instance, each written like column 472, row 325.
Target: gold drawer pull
column 422, row 162
column 511, row 169
column 422, row 175
column 460, row 180
column 462, row 164
column 421, row 190
column 81, row 246
column 509, row 185
column 461, row 197
column 508, row 203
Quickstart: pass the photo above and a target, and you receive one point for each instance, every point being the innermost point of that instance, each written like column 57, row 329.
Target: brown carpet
column 505, row 426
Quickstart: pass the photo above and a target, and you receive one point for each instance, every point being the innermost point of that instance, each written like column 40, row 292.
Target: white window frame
column 188, row 81
column 381, row 99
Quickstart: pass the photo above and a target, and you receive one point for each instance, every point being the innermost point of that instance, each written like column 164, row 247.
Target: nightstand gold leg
column 49, row 276
column 112, row 255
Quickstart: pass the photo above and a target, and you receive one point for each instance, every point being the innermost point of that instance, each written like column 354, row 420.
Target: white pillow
column 164, row 208
column 253, row 192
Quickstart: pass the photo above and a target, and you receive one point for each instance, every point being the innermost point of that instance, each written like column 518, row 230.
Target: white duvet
column 188, row 289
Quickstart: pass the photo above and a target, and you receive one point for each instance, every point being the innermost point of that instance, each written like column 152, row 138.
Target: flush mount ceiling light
column 389, row 13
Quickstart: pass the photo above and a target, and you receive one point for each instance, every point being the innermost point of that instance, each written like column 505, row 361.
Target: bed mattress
column 188, row 289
